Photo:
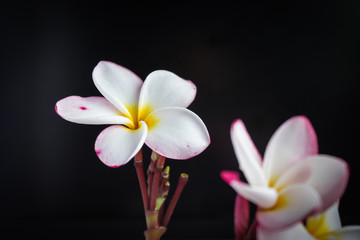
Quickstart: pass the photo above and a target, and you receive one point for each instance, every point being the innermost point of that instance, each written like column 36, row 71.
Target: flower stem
column 154, row 233
column 163, row 193
column 150, row 171
column 183, row 179
column 155, row 191
column 141, row 177
column 156, row 181
column 164, row 179
column 151, row 219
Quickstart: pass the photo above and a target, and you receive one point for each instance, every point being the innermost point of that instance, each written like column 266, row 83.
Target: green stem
column 151, row 219
column 154, row 233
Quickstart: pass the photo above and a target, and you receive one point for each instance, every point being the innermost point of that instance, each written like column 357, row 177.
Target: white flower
column 323, row 226
column 293, row 181
column 151, row 112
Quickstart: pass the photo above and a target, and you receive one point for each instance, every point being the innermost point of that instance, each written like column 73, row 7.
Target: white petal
column 296, row 232
column 293, row 205
column 345, row 233
column 176, row 133
column 90, row 110
column 262, row 196
column 247, row 154
column 324, row 222
column 116, row 145
column 164, row 89
column 319, row 172
column 293, row 140
column 118, row 85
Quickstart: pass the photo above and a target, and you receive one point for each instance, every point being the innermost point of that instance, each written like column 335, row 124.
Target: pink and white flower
column 324, row 226
column 293, row 181
column 151, row 112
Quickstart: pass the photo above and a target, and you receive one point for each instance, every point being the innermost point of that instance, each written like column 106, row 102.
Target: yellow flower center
column 317, row 226
column 142, row 114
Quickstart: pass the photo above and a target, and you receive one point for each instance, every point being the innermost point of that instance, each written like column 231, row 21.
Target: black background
column 260, row 61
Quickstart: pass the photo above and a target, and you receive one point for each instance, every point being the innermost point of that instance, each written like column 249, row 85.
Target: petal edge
column 162, row 89
column 294, row 140
column 119, row 85
column 247, row 154
column 89, row 110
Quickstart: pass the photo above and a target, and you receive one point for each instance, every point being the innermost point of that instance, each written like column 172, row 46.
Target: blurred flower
column 322, row 226
column 293, row 181
column 151, row 112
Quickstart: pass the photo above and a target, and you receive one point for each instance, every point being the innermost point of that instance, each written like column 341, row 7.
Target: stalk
column 156, row 181
column 183, row 179
column 141, row 177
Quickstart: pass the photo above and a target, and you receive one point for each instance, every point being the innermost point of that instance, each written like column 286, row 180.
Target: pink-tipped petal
column 296, row 232
column 89, row 110
column 164, row 89
column 293, row 140
column 176, row 133
column 345, row 233
column 118, row 85
column 117, row 145
column 241, row 217
column 264, row 197
column 229, row 176
column 293, row 205
column 247, row 154
column 328, row 175
column 324, row 222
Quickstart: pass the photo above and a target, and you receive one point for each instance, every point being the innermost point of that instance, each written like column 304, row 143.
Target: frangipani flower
column 151, row 112
column 323, row 226
column 293, row 181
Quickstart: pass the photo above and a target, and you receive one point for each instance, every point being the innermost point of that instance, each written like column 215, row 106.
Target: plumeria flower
column 151, row 112
column 292, row 181
column 324, row 226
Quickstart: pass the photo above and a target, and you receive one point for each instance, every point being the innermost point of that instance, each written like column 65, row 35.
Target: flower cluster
column 292, row 183
column 296, row 189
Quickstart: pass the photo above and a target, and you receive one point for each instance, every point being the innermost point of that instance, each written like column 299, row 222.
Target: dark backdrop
column 260, row 61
